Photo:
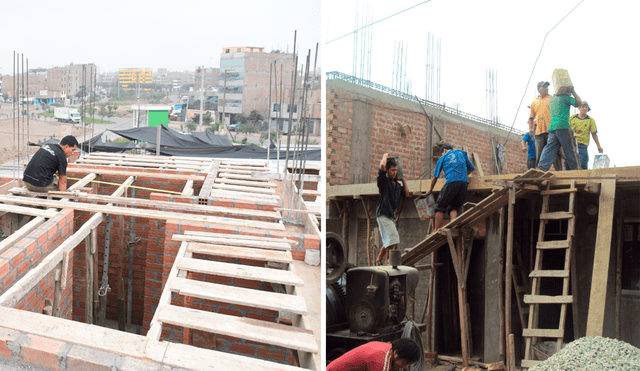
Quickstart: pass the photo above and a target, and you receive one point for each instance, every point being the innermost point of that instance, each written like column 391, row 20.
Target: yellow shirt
column 582, row 128
column 541, row 112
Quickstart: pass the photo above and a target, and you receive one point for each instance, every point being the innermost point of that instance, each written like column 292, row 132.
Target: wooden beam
column 143, row 213
column 239, row 295
column 87, row 170
column 239, row 271
column 28, row 210
column 21, row 233
column 236, row 240
column 165, row 205
column 247, row 328
column 242, row 236
column 598, row 296
column 205, row 190
column 626, row 175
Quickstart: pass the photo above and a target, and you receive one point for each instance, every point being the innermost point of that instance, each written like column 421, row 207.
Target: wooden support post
column 94, row 255
column 366, row 211
column 57, row 273
column 509, row 272
column 120, row 284
column 501, row 285
column 619, row 246
column 88, row 295
column 457, row 258
column 597, row 299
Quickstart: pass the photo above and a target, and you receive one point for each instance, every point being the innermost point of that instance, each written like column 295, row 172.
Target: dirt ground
column 38, row 131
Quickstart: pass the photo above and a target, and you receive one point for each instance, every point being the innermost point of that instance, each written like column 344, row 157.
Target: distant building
column 244, row 78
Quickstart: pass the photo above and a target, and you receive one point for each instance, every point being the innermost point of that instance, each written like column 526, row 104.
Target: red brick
column 271, row 354
column 7, row 336
column 40, row 351
column 243, row 348
column 311, row 242
column 298, row 255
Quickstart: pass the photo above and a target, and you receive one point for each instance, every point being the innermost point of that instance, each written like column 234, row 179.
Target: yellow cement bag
column 561, row 81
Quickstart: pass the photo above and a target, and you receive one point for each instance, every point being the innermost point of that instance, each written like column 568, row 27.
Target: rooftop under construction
column 534, row 261
column 195, row 262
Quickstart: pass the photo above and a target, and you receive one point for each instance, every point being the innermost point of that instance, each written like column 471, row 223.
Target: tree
column 191, row 126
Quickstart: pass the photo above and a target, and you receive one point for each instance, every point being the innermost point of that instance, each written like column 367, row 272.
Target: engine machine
column 377, row 297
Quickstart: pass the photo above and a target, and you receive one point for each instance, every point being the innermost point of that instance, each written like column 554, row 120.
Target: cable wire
column 412, row 332
column 534, row 68
column 378, row 21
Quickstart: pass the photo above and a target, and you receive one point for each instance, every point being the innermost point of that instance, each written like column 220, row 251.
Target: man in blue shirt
column 390, row 193
column 531, row 152
column 456, row 166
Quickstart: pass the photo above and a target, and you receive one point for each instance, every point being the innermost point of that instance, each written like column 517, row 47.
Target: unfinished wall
column 363, row 124
column 17, row 260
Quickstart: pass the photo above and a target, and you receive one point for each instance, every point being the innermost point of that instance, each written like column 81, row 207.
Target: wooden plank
column 249, row 183
column 20, row 288
column 28, row 211
column 180, row 356
column 556, row 215
column 205, row 190
column 144, row 213
column 220, row 195
column 544, row 333
column 547, row 299
column 546, row 245
column 91, row 169
column 558, row 191
column 240, row 295
column 244, row 188
column 478, row 164
column 549, row 273
column 243, row 236
column 242, row 327
column 235, row 240
column 599, row 280
column 242, row 177
column 21, row 233
column 241, row 252
column 240, row 271
column 144, row 164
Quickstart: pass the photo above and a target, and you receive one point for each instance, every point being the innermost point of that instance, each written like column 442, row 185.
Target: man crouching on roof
column 456, row 166
column 390, row 193
column 40, row 174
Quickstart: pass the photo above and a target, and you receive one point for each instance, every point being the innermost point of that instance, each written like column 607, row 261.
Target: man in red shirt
column 378, row 356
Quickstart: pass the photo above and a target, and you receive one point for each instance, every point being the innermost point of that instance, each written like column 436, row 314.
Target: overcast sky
column 595, row 43
column 177, row 35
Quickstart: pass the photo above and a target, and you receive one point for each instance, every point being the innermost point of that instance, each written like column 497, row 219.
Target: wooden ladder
column 532, row 333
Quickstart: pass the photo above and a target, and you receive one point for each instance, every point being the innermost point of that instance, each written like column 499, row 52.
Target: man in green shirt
column 560, row 133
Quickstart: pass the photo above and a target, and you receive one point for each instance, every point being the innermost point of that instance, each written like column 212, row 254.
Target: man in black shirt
column 40, row 174
column 390, row 192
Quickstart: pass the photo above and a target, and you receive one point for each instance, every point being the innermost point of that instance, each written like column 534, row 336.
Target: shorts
column 388, row 231
column 452, row 196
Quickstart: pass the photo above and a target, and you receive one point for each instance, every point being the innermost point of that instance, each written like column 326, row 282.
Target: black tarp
column 174, row 143
column 174, row 138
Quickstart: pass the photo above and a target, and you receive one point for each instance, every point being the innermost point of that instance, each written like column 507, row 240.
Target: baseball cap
column 543, row 83
column 584, row 103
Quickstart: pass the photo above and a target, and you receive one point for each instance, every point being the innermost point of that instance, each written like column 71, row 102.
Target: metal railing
column 334, row 75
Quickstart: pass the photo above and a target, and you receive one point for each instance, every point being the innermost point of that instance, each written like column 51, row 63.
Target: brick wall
column 384, row 131
column 27, row 253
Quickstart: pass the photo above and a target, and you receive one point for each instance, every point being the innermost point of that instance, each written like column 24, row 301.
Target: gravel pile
column 593, row 353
